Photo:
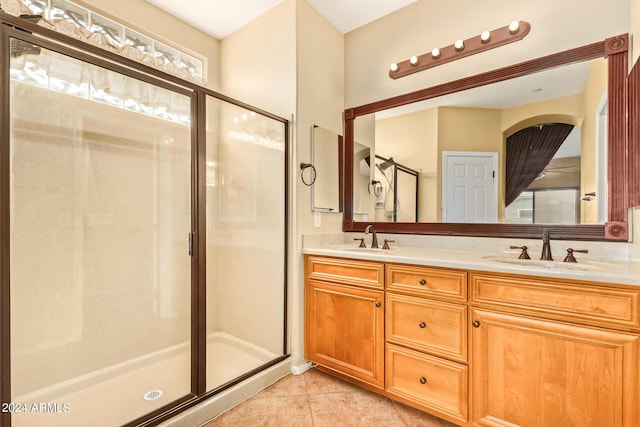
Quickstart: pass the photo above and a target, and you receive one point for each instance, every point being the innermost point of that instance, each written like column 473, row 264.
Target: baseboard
column 301, row 369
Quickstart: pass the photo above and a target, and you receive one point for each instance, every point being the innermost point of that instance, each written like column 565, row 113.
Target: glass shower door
column 100, row 215
column 245, row 234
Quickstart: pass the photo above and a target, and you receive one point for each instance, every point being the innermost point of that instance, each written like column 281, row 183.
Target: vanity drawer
column 346, row 271
column 432, row 382
column 427, row 325
column 563, row 300
column 426, row 281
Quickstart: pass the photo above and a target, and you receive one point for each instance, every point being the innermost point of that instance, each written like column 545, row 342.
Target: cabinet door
column 344, row 330
column 530, row 372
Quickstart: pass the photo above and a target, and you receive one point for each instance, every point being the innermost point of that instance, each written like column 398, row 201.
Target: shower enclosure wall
column 143, row 237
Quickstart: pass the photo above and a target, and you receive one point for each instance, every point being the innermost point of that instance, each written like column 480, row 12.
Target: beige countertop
column 597, row 270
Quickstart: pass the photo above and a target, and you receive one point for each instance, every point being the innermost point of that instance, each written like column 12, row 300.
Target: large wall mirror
column 504, row 153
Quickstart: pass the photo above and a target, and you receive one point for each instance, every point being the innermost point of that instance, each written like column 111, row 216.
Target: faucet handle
column 523, row 254
column 570, row 257
column 362, row 245
column 386, row 243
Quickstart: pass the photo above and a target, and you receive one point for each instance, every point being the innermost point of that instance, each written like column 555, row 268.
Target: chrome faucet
column 546, row 246
column 374, row 239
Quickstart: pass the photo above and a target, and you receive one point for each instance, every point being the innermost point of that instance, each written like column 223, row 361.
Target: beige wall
column 364, row 135
column 568, row 109
column 320, row 89
column 423, row 25
column 158, row 24
column 594, row 93
column 635, row 29
column 418, row 139
column 412, row 140
column 258, row 61
column 319, row 97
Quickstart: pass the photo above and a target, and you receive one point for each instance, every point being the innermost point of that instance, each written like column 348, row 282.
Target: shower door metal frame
column 13, row 27
column 5, row 315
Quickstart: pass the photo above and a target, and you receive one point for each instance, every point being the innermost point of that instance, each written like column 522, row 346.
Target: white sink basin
column 583, row 265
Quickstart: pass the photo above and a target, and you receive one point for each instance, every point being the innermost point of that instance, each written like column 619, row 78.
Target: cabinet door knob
column 476, row 324
column 423, row 380
column 423, row 282
column 378, row 304
column 422, row 325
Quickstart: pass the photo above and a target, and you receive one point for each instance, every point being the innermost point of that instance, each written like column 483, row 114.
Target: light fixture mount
column 498, row 37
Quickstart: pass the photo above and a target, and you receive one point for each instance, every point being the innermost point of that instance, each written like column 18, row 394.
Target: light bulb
column 459, row 45
column 513, row 27
column 413, row 60
column 394, row 67
column 485, row 36
column 435, row 53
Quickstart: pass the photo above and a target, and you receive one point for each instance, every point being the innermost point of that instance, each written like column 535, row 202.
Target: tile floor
column 316, row 399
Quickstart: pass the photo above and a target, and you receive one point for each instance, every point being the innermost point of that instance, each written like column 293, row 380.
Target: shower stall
column 143, row 236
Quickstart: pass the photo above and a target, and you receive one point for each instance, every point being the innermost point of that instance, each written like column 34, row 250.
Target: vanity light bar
column 515, row 31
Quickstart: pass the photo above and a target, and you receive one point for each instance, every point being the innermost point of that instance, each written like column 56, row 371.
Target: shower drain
column 153, row 395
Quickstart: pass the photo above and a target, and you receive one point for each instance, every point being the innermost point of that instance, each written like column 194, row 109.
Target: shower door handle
column 191, row 243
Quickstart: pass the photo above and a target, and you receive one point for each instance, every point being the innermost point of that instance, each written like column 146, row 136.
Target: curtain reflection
column 528, row 153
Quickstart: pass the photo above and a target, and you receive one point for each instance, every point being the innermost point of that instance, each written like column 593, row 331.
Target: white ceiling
column 219, row 18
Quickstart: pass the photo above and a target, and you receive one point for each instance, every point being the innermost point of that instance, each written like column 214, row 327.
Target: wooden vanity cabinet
column 475, row 348
column 344, row 318
column 536, row 362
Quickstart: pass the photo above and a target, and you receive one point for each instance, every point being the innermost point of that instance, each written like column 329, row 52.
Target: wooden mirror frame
column 616, row 228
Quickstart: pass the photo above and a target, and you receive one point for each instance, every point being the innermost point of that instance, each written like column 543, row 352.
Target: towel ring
column 303, row 167
column 377, row 188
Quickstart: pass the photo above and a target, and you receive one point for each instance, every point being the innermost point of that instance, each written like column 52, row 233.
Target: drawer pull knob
column 378, row 304
column 476, row 324
column 422, row 325
column 423, row 380
column 423, row 282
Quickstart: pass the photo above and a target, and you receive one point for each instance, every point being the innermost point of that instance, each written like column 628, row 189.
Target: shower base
column 116, row 395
